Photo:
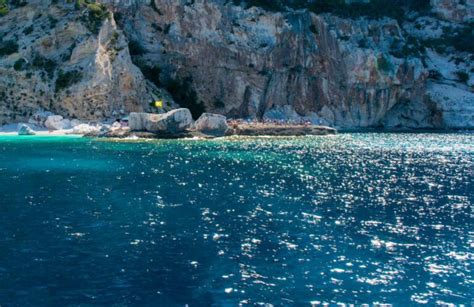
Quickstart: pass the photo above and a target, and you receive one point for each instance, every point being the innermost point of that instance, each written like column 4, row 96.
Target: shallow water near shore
column 350, row 218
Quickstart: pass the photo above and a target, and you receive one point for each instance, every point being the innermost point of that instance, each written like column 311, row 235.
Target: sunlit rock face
column 217, row 57
column 247, row 62
column 60, row 65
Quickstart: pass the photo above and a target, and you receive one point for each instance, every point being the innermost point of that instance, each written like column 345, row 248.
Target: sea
column 354, row 218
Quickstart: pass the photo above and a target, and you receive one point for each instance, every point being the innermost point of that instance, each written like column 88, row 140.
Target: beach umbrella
column 157, row 104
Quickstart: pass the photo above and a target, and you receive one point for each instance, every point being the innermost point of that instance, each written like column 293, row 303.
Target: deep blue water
column 353, row 218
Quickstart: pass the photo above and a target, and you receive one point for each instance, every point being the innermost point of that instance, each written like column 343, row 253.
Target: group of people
column 263, row 122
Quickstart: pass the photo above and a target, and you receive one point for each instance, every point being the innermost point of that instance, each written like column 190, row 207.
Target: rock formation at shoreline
column 58, row 58
column 174, row 121
column 102, row 61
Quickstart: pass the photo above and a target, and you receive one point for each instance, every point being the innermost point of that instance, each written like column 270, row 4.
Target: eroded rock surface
column 57, row 122
column 248, row 63
column 214, row 124
column 213, row 56
column 58, row 64
column 171, row 122
column 25, row 130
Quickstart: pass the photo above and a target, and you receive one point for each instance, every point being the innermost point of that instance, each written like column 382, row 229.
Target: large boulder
column 83, row 129
column 25, row 130
column 172, row 122
column 57, row 122
column 75, row 122
column 39, row 118
column 214, row 124
column 137, row 121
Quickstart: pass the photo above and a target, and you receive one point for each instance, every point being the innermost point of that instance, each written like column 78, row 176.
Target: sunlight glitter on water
column 352, row 218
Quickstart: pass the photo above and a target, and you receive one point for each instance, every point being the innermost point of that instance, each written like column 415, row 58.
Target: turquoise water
column 353, row 218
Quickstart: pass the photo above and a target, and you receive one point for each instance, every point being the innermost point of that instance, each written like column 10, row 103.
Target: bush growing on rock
column 20, row 64
column 94, row 14
column 66, row 79
column 3, row 8
column 47, row 65
column 113, row 46
column 8, row 47
column 28, row 30
column 462, row 76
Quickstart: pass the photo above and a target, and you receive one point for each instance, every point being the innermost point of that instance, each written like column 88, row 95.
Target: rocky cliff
column 68, row 60
column 239, row 61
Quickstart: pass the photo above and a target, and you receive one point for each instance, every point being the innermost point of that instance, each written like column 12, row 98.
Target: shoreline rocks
column 39, row 118
column 286, row 130
column 174, row 121
column 85, row 129
column 244, row 130
column 176, row 124
column 57, row 122
column 25, row 130
column 212, row 124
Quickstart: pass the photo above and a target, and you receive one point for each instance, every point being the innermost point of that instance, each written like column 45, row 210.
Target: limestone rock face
column 454, row 104
column 174, row 121
column 247, row 62
column 251, row 63
column 57, row 122
column 61, row 66
column 214, row 56
column 85, row 129
column 137, row 121
column 212, row 124
column 25, row 130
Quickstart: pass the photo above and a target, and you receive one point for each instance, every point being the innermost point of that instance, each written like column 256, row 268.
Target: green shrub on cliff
column 20, row 64
column 45, row 64
column 66, row 79
column 3, row 8
column 8, row 47
column 94, row 14
column 462, row 76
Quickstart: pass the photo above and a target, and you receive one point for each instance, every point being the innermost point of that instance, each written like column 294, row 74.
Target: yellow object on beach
column 159, row 104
